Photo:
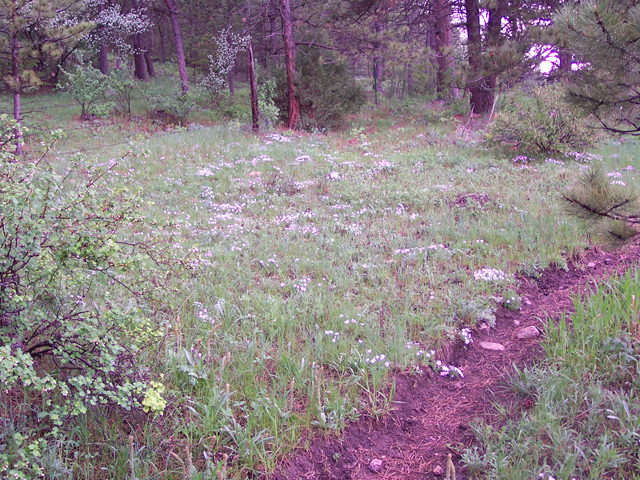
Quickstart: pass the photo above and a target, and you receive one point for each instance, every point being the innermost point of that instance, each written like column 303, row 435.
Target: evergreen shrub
column 327, row 92
column 541, row 123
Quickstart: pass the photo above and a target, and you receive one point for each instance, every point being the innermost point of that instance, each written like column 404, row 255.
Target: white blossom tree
column 228, row 46
column 115, row 23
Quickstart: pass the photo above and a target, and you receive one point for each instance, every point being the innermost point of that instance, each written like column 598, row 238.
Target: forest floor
column 430, row 416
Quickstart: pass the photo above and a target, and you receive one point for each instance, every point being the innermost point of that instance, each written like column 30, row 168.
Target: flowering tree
column 228, row 45
column 115, row 23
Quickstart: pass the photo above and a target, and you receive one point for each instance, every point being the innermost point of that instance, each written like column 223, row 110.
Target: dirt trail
column 431, row 414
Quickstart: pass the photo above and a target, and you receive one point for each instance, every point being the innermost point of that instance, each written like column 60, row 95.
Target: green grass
column 317, row 256
column 585, row 423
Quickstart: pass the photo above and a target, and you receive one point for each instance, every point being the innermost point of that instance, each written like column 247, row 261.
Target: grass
column 585, row 421
column 326, row 263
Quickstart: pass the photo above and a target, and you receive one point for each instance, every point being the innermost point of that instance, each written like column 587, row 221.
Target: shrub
column 269, row 111
column 75, row 287
column 177, row 106
column 541, row 124
column 121, row 87
column 327, row 92
column 88, row 87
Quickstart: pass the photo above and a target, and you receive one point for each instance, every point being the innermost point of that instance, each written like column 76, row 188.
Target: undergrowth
column 585, row 419
column 321, row 265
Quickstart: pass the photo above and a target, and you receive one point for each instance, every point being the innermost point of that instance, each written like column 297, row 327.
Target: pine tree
column 603, row 37
column 31, row 27
column 608, row 206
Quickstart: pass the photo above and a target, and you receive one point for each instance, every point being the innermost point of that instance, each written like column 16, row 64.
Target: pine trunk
column 481, row 87
column 103, row 60
column 182, row 64
column 443, row 41
column 148, row 47
column 273, row 43
column 163, row 50
column 290, row 63
column 140, row 69
column 255, row 113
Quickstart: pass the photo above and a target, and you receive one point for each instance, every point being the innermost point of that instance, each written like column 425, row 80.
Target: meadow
column 323, row 263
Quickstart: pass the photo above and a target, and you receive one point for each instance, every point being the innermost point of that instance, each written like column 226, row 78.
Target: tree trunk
column 377, row 65
column 255, row 113
column 290, row 63
column 148, row 47
column 273, row 28
column 163, row 50
column 103, row 60
column 15, row 70
column 232, row 89
column 481, row 88
column 377, row 73
column 443, row 41
column 140, row 69
column 566, row 60
column 182, row 65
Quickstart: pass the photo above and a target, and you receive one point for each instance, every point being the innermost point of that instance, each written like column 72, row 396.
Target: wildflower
column 465, row 333
column 489, row 274
column 553, row 160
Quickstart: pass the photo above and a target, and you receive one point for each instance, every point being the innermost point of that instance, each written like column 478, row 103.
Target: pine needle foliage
column 603, row 37
column 610, row 209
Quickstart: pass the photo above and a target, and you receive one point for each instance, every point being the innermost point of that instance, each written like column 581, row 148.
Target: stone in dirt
column 496, row 347
column 527, row 332
column 591, row 264
column 438, row 470
column 376, row 465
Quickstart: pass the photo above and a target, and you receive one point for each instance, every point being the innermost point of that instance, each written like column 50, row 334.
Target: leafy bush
column 177, row 106
column 75, row 286
column 88, row 87
column 121, row 87
column 541, row 124
column 327, row 92
column 269, row 111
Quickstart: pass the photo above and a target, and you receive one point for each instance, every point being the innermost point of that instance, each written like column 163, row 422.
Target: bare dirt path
column 431, row 414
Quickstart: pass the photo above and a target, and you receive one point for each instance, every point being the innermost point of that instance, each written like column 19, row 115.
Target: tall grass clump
column 583, row 422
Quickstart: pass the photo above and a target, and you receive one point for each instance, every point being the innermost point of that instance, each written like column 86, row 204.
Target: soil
column 431, row 414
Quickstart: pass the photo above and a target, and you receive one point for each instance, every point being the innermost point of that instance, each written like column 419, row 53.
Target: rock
column 496, row 347
column 591, row 264
column 527, row 332
column 255, row 174
column 482, row 326
column 438, row 470
column 516, row 322
column 376, row 465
